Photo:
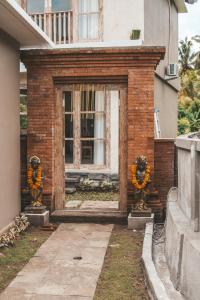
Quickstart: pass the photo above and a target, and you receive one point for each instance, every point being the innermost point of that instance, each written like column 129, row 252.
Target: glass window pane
column 93, row 125
column 61, row 5
column 93, row 152
column 69, row 126
column 87, row 152
column 88, row 101
column 69, row 152
column 68, row 102
column 93, row 26
column 83, row 27
column 35, row 6
column 93, row 101
column 99, row 101
column 88, row 6
column 87, row 125
column 93, row 5
column 99, row 152
column 82, row 6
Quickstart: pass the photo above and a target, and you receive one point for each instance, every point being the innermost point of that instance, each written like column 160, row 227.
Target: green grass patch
column 122, row 276
column 93, row 196
column 13, row 259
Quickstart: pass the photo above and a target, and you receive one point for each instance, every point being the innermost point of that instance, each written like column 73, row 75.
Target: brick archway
column 49, row 69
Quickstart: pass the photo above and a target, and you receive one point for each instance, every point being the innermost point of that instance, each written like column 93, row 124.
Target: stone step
column 72, row 179
column 70, row 190
column 89, row 216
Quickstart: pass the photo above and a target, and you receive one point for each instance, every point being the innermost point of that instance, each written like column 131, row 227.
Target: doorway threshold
column 99, row 216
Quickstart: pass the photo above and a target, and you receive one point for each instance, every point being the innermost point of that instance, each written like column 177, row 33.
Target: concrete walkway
column 67, row 265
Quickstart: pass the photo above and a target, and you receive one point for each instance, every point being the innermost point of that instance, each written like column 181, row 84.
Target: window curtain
column 99, row 128
column 88, row 23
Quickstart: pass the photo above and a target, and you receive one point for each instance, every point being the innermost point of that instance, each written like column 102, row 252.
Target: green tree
column 189, row 95
column 196, row 61
column 185, row 55
column 193, row 115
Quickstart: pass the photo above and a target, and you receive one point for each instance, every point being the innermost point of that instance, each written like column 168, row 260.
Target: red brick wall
column 140, row 116
column 40, row 110
column 165, row 170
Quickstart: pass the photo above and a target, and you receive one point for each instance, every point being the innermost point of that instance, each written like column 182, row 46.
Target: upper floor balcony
column 67, row 21
column 57, row 25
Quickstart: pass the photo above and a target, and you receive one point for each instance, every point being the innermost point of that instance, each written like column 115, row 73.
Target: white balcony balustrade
column 58, row 26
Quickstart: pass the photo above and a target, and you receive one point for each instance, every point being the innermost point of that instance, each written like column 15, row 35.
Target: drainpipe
column 169, row 37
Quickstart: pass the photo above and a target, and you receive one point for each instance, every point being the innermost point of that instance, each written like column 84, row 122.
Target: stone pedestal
column 139, row 222
column 37, row 216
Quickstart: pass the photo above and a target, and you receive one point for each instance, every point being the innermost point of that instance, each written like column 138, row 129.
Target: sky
column 189, row 24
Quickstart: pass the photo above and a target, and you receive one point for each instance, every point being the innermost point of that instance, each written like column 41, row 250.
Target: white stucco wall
column 166, row 100
column 9, row 131
column 120, row 17
column 158, row 32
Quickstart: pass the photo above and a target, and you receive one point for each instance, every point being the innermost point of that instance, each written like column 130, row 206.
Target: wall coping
column 118, row 57
column 164, row 140
column 185, row 142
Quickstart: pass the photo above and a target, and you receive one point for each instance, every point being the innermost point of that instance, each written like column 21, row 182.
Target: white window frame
column 99, row 13
column 77, row 166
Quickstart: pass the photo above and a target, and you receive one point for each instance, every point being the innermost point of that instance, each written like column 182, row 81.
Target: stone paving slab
column 53, row 273
column 91, row 205
column 99, row 205
column 73, row 204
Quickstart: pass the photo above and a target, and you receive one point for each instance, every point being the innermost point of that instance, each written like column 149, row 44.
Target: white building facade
column 81, row 23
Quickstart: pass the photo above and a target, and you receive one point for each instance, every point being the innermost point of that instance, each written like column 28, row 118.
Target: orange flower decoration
column 37, row 184
column 134, row 180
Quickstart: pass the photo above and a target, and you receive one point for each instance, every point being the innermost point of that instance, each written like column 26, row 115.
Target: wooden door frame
column 59, row 164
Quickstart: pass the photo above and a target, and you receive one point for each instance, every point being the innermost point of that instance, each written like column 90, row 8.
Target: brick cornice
column 127, row 57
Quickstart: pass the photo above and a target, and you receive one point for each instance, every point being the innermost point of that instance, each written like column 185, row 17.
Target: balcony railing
column 58, row 26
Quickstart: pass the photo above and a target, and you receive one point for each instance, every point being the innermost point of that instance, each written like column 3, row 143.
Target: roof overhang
column 16, row 22
column 180, row 5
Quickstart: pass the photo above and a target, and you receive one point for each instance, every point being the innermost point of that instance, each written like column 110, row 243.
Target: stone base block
column 38, row 219
column 139, row 223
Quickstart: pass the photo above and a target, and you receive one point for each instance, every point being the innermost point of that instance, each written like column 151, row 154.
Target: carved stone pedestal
column 37, row 216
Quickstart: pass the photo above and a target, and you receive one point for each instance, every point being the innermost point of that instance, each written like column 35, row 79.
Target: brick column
column 140, row 115
column 40, row 131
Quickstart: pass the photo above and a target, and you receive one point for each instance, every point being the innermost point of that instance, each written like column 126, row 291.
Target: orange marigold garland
column 134, row 180
column 37, row 184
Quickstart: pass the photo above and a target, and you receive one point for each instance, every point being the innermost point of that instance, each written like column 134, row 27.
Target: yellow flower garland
column 37, row 184
column 134, row 180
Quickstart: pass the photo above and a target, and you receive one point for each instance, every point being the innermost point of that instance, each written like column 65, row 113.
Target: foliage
column 185, row 55
column 8, row 238
column 122, row 275
column 197, row 54
column 87, row 184
column 183, row 126
column 194, row 115
column 23, row 112
column 189, row 95
column 13, row 259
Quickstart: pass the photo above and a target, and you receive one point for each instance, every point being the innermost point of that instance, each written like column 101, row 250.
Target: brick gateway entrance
column 49, row 70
